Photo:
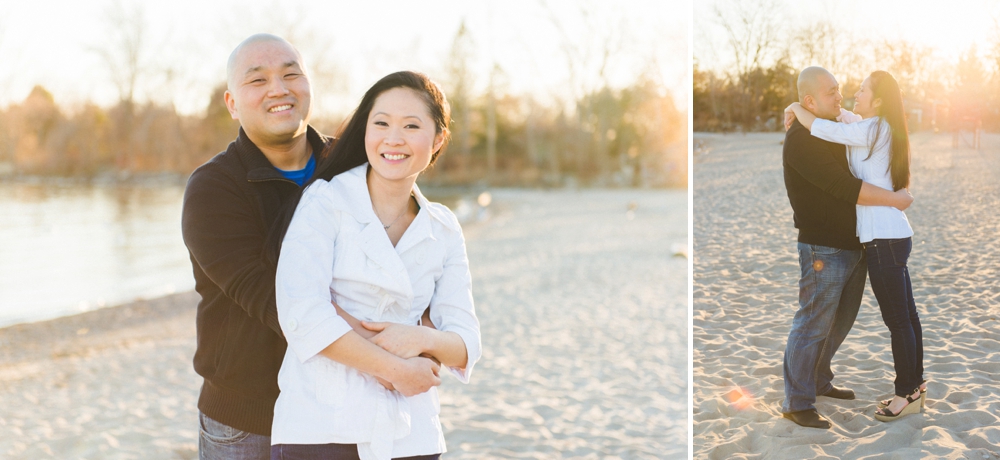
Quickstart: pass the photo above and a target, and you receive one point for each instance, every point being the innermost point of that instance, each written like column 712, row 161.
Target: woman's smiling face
column 865, row 103
column 401, row 135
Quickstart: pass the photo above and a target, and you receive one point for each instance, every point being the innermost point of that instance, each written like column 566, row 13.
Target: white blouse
column 337, row 250
column 874, row 222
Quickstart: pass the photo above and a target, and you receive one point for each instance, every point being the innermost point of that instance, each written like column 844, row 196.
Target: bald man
column 231, row 215
column 823, row 195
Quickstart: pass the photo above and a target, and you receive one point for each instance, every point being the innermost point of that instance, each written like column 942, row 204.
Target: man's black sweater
column 232, row 216
column 821, row 189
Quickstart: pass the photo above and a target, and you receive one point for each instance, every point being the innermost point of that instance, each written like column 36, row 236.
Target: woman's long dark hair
column 348, row 151
column 885, row 87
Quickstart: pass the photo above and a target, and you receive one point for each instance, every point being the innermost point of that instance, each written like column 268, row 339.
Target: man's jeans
column 223, row 442
column 891, row 284
column 830, row 289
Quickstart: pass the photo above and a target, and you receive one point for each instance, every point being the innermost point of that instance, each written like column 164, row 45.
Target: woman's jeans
column 326, row 452
column 891, row 284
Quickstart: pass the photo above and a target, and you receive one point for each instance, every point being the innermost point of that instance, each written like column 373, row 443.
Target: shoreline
column 55, row 336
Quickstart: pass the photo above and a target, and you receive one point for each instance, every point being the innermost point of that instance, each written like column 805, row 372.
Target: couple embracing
column 332, row 290
column 847, row 175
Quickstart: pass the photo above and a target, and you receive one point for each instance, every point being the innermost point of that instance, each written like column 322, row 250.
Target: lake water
column 65, row 249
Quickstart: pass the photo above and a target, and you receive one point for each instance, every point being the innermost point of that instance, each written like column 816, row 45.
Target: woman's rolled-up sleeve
column 305, row 269
column 452, row 309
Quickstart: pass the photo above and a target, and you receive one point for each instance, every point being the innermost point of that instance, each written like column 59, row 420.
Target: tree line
column 630, row 136
column 766, row 56
column 595, row 134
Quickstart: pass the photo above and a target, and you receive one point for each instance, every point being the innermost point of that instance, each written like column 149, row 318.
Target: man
column 231, row 218
column 823, row 194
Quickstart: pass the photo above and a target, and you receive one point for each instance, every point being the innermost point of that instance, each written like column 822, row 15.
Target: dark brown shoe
column 808, row 418
column 839, row 393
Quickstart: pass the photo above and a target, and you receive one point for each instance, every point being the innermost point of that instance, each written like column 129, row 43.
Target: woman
column 879, row 153
column 368, row 241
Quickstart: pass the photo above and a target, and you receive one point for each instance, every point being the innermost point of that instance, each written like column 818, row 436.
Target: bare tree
column 6, row 137
column 125, row 53
column 908, row 62
column 460, row 82
column 994, row 51
column 815, row 44
column 993, row 62
column 592, row 52
column 491, row 124
column 4, row 76
column 491, row 101
column 751, row 31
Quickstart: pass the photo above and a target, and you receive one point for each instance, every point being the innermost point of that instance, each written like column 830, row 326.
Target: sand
column 583, row 310
column 111, row 383
column 745, row 294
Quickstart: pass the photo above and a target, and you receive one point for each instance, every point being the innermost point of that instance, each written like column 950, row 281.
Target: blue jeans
column 891, row 284
column 327, row 452
column 830, row 289
column 219, row 441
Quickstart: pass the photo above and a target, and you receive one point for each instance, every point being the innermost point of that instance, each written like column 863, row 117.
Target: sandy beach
column 583, row 310
column 745, row 293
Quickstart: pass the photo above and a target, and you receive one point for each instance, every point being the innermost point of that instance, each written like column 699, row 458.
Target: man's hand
column 399, row 339
column 385, row 383
column 903, row 199
column 425, row 319
column 417, row 375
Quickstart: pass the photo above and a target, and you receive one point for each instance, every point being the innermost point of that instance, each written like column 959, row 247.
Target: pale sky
column 347, row 44
column 948, row 27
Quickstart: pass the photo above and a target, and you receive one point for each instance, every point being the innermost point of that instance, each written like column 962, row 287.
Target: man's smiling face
column 826, row 97
column 269, row 92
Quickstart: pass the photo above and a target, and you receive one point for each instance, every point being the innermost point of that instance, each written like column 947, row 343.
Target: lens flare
column 484, row 199
column 739, row 398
